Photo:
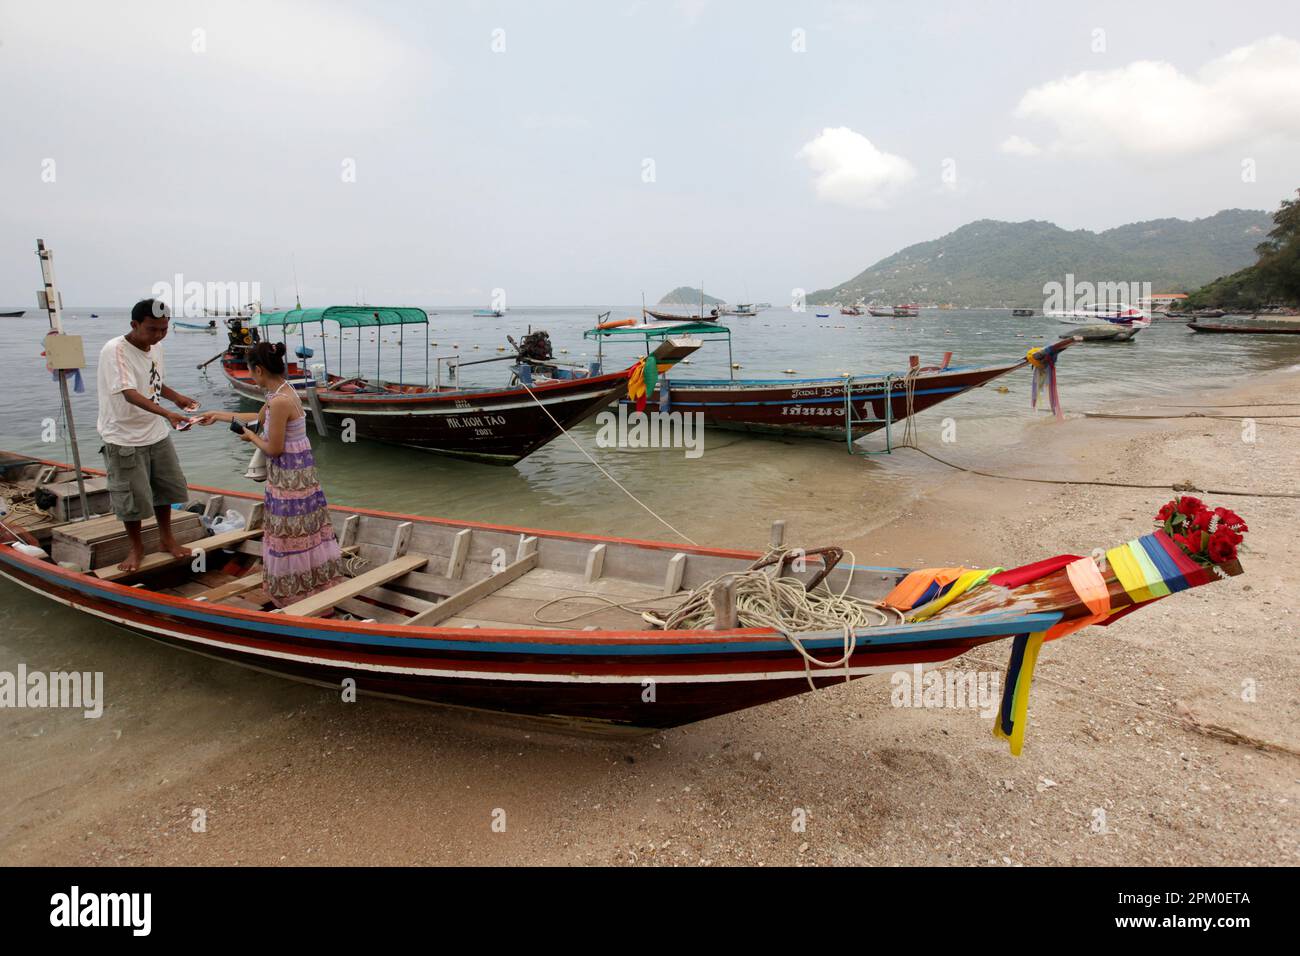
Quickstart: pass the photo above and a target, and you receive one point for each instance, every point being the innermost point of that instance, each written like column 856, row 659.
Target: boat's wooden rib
column 467, row 597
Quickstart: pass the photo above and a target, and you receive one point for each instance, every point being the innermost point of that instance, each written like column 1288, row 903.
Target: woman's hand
column 246, row 435
column 209, row 418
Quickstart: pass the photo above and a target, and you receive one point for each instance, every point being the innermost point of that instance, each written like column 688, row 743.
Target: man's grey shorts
column 143, row 478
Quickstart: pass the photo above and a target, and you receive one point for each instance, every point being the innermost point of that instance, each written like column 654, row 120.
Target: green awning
column 658, row 330
column 347, row 316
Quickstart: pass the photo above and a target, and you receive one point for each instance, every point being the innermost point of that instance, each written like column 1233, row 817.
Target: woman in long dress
column 300, row 554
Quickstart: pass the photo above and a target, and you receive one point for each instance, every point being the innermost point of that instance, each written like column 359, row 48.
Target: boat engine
column 535, row 347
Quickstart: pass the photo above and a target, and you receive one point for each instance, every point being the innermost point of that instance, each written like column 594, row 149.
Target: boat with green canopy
column 483, row 423
column 844, row 408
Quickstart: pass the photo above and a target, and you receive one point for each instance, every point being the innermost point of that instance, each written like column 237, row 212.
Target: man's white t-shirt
column 123, row 366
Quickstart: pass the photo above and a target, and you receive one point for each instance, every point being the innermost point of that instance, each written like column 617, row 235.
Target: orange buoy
column 616, row 324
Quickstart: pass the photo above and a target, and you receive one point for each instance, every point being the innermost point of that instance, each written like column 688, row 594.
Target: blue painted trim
column 984, row 625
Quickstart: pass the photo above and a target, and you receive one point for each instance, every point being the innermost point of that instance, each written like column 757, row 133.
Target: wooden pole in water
column 54, row 309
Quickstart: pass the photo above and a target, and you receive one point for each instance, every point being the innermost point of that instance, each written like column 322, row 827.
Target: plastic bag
column 232, row 520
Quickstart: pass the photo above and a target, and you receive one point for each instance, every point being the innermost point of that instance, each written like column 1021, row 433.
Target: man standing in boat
column 144, row 474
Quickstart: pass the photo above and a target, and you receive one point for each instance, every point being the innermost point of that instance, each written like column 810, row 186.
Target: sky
column 584, row 153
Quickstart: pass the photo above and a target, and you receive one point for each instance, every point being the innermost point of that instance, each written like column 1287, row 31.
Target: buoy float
column 616, row 324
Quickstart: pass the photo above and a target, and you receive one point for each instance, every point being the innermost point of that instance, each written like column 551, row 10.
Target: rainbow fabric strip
column 1148, row 568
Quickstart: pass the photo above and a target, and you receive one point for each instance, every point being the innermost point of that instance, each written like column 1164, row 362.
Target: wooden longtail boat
column 711, row 316
column 514, row 620
column 814, row 407
column 1229, row 329
column 494, row 425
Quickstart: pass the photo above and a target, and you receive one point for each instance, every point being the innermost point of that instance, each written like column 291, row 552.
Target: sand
column 1111, row 773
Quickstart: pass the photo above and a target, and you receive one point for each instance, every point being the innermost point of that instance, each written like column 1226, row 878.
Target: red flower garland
column 1208, row 536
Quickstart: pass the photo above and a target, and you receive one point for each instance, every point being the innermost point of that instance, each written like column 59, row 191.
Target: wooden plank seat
column 321, row 602
column 152, row 562
column 231, row 588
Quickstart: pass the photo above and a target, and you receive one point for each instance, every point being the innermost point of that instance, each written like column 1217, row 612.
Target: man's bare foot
column 132, row 561
column 177, row 551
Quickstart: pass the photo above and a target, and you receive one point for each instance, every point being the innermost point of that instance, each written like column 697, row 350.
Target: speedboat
column 1116, row 313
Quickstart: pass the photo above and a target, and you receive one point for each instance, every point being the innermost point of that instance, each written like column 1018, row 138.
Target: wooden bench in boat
column 321, row 602
column 152, row 562
column 102, row 541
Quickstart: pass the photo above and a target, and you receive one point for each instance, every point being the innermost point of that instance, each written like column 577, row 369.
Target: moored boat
column 1256, row 326
column 1104, row 333
column 13, row 315
column 742, row 310
column 711, row 316
column 1022, row 313
column 815, row 407
column 1114, row 313
column 499, row 425
column 581, row 631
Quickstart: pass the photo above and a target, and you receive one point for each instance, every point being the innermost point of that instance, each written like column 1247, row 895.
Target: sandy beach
column 1113, row 771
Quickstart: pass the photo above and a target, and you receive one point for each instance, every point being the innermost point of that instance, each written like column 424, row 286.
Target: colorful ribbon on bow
column 1044, row 363
column 641, row 381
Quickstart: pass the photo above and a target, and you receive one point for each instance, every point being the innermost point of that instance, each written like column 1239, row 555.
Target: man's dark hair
column 149, row 309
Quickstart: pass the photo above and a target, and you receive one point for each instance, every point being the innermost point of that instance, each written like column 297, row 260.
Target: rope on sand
column 1183, row 487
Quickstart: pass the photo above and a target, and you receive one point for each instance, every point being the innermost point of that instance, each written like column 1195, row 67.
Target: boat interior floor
column 406, row 571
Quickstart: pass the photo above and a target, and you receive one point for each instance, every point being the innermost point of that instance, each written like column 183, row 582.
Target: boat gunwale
column 579, row 642
column 606, row 381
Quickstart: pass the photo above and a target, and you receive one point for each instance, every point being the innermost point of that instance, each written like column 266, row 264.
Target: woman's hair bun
column 279, row 348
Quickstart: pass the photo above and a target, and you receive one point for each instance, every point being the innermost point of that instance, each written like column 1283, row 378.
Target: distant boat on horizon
column 13, row 315
column 1116, row 313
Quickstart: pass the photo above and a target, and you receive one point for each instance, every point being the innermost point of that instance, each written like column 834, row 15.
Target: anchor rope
column 576, row 444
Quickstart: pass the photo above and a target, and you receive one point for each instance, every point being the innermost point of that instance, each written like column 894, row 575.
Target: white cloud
column 1150, row 108
column 850, row 171
column 1019, row 146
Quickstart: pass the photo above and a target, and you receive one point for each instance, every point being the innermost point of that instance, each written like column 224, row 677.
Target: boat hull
column 671, row 317
column 614, row 682
column 496, row 426
column 816, row 408
column 1240, row 329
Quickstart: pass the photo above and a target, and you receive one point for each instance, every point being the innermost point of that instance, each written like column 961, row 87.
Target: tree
column 1279, row 254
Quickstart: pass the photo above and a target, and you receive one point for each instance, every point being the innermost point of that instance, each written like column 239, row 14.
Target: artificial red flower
column 1230, row 518
column 1190, row 541
column 1201, row 519
column 1189, row 506
column 1165, row 513
column 1222, row 548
